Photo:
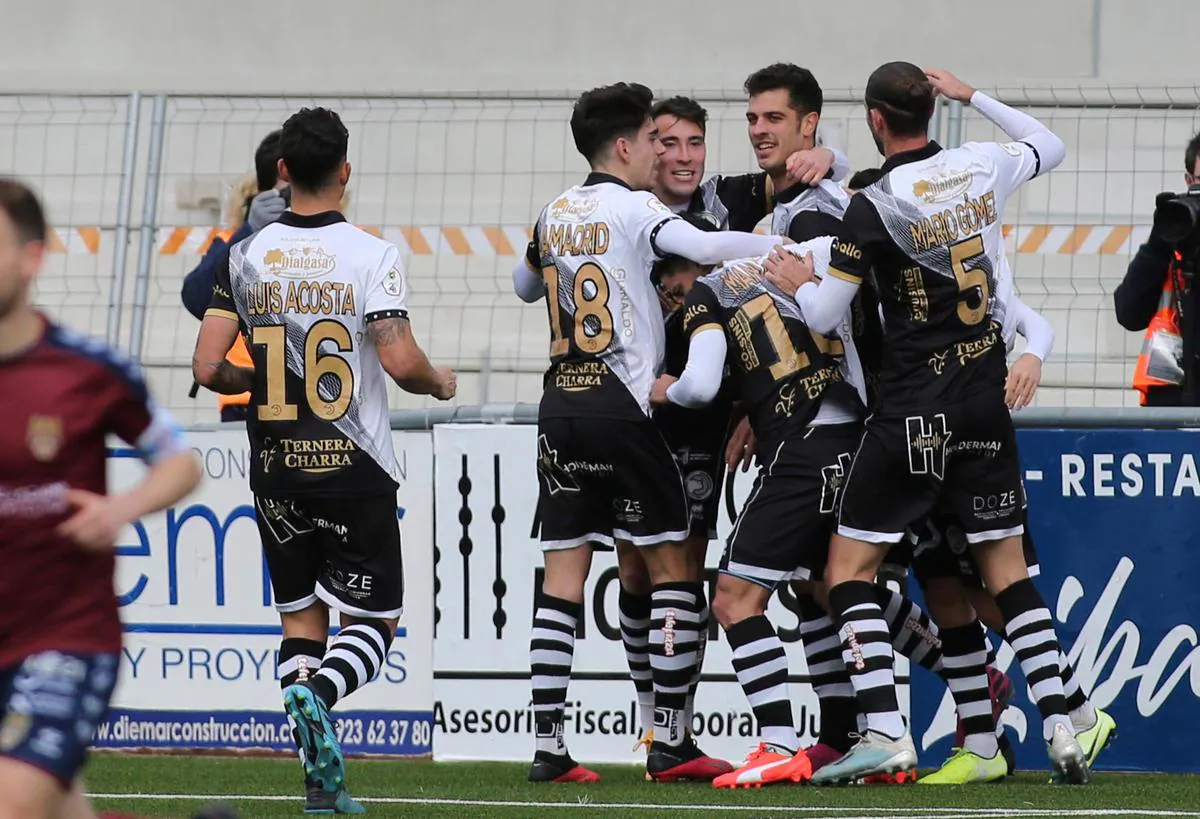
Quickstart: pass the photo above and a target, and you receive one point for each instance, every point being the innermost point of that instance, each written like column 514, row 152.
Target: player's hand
column 810, row 166
column 447, row 384
column 265, row 209
column 658, row 393
column 948, row 85
column 742, row 446
column 1023, row 380
column 787, row 271
column 96, row 522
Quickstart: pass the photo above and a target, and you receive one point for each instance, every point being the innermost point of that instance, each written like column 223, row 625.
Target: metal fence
column 136, row 187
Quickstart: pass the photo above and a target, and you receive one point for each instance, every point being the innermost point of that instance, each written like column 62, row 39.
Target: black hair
column 684, row 108
column 24, row 210
column 903, row 95
column 266, row 161
column 313, row 144
column 865, row 177
column 672, row 264
column 804, row 92
column 1192, row 154
column 604, row 114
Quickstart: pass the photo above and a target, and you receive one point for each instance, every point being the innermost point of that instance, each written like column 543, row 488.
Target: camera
column 1179, row 216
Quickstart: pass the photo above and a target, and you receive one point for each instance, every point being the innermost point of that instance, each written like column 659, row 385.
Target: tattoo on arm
column 388, row 331
column 229, row 379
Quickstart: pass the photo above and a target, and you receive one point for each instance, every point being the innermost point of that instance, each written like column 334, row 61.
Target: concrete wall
column 321, row 46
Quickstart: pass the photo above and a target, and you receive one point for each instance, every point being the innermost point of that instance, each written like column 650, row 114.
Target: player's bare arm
column 209, row 367
column 97, row 520
column 404, row 360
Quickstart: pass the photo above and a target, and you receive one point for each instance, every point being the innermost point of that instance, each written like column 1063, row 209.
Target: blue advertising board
column 1114, row 515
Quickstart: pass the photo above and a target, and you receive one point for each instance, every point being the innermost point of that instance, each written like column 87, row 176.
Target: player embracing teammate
column 808, row 361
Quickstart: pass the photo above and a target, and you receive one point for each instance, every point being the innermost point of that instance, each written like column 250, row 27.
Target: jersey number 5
column 593, row 330
column 273, row 337
column 970, row 278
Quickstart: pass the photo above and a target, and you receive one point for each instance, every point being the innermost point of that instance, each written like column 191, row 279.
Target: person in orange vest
column 1157, row 296
column 258, row 200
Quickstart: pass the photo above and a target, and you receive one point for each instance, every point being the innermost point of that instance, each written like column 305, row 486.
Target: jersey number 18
column 592, row 323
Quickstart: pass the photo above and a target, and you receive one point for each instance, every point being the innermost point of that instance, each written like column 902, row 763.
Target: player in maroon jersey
column 60, row 633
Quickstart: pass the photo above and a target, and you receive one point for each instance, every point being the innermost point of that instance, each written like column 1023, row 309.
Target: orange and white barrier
column 508, row 240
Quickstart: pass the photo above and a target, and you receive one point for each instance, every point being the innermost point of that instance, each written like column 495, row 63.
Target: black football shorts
column 961, row 458
column 601, row 480
column 784, row 527
column 342, row 551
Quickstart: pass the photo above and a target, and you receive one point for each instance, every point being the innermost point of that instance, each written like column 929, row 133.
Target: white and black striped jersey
column 804, row 212
column 304, row 290
column 595, row 246
column 731, row 202
column 930, row 230
column 781, row 368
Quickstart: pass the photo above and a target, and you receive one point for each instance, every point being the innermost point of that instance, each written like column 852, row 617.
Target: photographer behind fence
column 1157, row 295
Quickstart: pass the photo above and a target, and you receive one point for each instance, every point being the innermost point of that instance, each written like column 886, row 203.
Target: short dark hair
column 1192, row 153
column 684, row 108
column 604, row 114
column 23, row 208
column 903, row 95
column 865, row 177
column 671, row 264
column 804, row 92
column 266, row 161
column 313, row 144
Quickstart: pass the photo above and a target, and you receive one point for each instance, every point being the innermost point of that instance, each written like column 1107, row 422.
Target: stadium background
column 459, row 135
column 134, row 119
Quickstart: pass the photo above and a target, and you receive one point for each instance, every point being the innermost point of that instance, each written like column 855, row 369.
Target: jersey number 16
column 273, row 337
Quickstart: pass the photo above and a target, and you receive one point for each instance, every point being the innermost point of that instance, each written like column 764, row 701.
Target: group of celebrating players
column 859, row 352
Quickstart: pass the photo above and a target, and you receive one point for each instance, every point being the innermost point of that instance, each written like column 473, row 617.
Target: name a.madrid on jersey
column 594, row 245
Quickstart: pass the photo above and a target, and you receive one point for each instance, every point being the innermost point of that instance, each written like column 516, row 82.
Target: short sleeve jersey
column 595, row 245
column 930, row 233
column 304, row 291
column 74, row 392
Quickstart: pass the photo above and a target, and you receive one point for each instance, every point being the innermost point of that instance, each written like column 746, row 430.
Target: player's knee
column 947, row 602
column 737, row 600
column 698, row 545
column 632, row 572
column 670, row 563
column 852, row 560
column 1001, row 563
column 29, row 793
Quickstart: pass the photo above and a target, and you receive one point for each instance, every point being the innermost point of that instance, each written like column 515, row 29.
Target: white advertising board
column 199, row 666
column 487, row 567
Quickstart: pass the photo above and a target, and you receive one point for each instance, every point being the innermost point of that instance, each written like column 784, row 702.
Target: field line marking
column 843, row 812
